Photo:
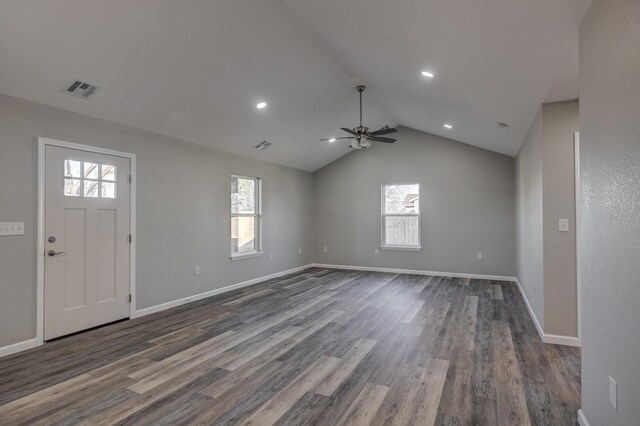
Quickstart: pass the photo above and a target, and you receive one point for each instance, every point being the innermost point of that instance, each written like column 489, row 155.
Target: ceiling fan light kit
column 361, row 137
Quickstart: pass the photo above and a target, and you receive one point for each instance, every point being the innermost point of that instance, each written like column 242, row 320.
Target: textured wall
column 467, row 206
column 610, row 233
column 529, row 218
column 183, row 211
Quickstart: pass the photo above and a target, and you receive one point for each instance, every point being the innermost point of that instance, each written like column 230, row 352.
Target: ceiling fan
column 361, row 136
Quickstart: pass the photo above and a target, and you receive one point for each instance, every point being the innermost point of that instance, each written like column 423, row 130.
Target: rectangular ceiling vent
column 82, row 89
column 263, row 145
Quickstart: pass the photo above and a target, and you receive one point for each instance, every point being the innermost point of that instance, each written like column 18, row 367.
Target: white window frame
column 383, row 216
column 257, row 215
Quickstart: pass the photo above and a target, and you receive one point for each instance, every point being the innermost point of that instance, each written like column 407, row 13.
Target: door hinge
column 130, row 178
column 130, row 298
column 130, row 238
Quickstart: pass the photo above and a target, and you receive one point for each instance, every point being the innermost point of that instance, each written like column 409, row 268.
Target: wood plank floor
column 322, row 347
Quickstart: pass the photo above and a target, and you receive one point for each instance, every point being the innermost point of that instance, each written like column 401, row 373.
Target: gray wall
column 467, row 206
column 559, row 123
column 610, row 229
column 183, row 211
column 545, row 182
column 529, row 218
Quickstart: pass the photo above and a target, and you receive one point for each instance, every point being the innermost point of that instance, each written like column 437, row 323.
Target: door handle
column 54, row 253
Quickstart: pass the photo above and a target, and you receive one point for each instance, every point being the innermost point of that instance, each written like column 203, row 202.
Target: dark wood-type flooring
column 318, row 347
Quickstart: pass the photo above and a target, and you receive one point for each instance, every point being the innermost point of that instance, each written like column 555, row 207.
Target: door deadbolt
column 51, row 239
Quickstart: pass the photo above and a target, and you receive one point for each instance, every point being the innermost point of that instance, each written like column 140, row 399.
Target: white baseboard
column 553, row 339
column 415, row 272
column 32, row 343
column 582, row 418
column 174, row 303
column 19, row 347
column 531, row 312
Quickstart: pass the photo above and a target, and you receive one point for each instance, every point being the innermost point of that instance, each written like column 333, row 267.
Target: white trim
column 553, row 339
column 32, row 343
column 578, row 189
column 400, row 248
column 174, row 303
column 582, row 418
column 384, row 215
column 19, row 347
column 415, row 272
column 257, row 215
column 42, row 144
column 251, row 254
column 531, row 312
column 40, row 246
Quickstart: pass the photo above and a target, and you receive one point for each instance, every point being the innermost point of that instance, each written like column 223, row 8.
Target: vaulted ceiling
column 195, row 69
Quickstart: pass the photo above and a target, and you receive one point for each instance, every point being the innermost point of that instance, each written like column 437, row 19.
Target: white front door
column 87, row 227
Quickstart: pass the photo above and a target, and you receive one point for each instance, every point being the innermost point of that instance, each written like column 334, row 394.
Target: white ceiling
column 194, row 69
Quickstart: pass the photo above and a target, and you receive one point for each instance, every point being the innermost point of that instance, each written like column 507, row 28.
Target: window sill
column 241, row 256
column 400, row 248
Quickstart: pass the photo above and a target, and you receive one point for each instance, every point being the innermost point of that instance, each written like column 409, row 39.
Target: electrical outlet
column 196, row 271
column 377, row 251
column 270, row 256
column 324, row 249
column 613, row 393
column 479, row 256
column 299, row 251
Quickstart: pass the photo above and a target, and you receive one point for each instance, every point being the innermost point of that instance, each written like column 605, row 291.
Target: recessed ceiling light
column 261, row 105
column 332, row 140
column 448, row 126
column 427, row 74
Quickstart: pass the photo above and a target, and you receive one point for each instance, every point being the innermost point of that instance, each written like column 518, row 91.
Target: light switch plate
column 11, row 228
column 563, row 225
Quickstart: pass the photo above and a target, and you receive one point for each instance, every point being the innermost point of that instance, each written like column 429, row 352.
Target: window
column 245, row 216
column 401, row 217
column 90, row 180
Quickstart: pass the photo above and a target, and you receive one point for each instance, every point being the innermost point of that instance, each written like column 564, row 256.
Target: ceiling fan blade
column 379, row 139
column 346, row 137
column 349, row 131
column 384, row 131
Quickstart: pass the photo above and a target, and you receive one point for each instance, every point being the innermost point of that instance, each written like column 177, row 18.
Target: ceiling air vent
column 263, row 145
column 82, row 89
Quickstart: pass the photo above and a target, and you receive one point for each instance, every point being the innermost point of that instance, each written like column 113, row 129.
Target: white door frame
column 576, row 162
column 42, row 144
